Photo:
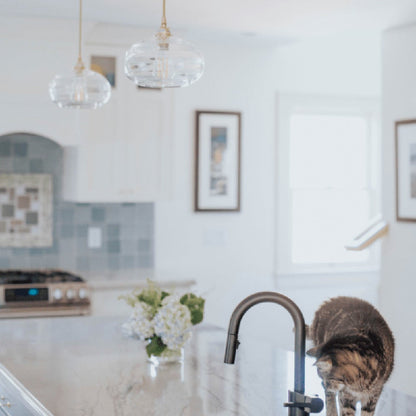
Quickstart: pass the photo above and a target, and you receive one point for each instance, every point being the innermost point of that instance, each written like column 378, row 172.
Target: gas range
column 31, row 293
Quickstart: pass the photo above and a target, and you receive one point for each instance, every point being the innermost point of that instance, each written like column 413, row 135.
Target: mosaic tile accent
column 7, row 211
column 23, row 202
column 127, row 228
column 32, row 218
column 26, row 209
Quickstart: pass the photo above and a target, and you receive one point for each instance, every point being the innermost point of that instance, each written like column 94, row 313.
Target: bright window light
column 329, row 184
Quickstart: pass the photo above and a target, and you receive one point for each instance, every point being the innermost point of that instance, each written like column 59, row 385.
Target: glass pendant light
column 164, row 60
column 83, row 88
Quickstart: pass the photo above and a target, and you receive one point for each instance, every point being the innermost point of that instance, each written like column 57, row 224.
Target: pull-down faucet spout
column 300, row 404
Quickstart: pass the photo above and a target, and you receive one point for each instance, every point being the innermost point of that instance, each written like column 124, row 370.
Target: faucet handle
column 309, row 404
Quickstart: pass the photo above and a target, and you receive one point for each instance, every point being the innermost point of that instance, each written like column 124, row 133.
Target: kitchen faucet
column 299, row 404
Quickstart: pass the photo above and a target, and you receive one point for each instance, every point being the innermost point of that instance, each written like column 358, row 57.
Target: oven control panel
column 42, row 293
column 52, row 293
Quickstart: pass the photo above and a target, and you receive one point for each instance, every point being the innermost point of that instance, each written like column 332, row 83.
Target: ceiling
column 271, row 18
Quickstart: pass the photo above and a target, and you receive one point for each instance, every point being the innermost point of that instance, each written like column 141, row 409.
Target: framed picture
column 106, row 66
column 217, row 161
column 406, row 170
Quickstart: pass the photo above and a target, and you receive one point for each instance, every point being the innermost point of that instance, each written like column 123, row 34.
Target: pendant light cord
column 79, row 66
column 80, row 30
column 164, row 24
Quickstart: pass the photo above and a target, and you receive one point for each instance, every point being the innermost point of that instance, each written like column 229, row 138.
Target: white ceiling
column 271, row 18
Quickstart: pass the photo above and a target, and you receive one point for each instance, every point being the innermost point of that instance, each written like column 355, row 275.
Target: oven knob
column 83, row 293
column 57, row 294
column 70, row 294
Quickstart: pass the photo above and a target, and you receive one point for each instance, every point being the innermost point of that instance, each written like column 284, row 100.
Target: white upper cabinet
column 122, row 152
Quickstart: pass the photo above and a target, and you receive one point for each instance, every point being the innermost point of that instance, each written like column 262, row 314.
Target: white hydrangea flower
column 140, row 323
column 173, row 322
column 127, row 330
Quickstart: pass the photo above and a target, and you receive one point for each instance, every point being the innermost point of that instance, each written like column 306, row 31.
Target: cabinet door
column 123, row 148
column 147, row 140
column 85, row 180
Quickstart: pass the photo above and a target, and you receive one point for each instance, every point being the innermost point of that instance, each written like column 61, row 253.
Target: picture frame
column 106, row 66
column 217, row 161
column 405, row 138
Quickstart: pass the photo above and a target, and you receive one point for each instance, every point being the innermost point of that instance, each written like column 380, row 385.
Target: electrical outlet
column 94, row 237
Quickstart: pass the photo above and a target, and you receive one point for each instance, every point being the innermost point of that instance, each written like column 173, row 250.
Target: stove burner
column 24, row 277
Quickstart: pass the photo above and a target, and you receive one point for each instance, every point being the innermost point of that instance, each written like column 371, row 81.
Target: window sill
column 335, row 278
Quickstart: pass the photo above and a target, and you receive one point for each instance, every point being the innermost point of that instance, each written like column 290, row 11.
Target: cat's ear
column 314, row 352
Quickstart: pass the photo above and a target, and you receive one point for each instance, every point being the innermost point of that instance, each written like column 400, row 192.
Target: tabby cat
column 354, row 351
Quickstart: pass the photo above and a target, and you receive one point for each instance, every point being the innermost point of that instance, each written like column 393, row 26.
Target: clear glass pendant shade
column 164, row 63
column 82, row 89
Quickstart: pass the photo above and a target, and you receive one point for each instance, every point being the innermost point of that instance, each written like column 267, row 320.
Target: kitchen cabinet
column 123, row 149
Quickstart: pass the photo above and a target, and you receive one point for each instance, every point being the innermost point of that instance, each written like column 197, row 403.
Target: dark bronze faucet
column 299, row 404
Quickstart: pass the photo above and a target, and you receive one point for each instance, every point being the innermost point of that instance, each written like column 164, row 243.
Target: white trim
column 287, row 105
column 286, row 282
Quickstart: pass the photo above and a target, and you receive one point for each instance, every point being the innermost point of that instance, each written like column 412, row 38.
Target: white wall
column 233, row 255
column 34, row 50
column 31, row 55
column 229, row 254
column 343, row 64
column 398, row 283
column 231, row 248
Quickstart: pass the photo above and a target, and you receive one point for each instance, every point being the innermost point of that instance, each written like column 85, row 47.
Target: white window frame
column 291, row 104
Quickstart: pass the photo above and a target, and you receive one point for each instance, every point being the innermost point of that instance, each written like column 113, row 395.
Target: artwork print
column 406, row 170
column 25, row 210
column 217, row 162
column 413, row 170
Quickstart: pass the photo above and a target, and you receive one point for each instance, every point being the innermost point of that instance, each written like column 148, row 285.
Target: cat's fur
column 354, row 348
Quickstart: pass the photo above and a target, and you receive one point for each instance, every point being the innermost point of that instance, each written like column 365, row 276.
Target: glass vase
column 168, row 356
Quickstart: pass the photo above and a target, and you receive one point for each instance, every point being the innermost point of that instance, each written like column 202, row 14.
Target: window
column 327, row 182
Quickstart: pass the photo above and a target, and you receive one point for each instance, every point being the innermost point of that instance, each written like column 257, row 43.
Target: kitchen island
column 85, row 366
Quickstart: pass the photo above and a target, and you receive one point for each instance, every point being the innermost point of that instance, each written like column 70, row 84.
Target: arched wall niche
column 25, row 153
column 12, row 135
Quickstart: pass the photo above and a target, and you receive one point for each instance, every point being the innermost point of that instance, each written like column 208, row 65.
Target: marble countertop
column 84, row 366
column 127, row 279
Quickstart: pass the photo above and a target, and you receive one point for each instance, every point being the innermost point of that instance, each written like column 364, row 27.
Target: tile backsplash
column 86, row 237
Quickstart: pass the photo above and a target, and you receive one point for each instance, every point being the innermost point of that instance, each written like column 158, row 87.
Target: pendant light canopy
column 83, row 88
column 164, row 60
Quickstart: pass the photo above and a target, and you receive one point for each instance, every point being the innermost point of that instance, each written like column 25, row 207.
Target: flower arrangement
column 163, row 319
